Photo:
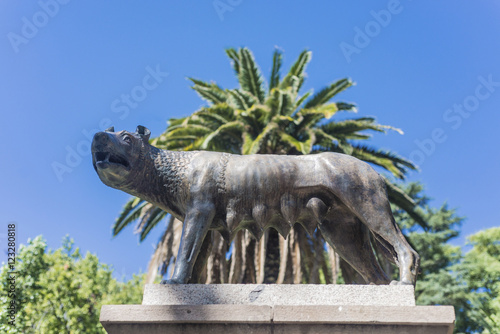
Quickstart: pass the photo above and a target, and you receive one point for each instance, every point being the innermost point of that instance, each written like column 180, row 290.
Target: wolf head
column 117, row 156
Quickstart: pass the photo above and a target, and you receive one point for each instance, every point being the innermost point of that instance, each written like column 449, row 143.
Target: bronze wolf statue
column 338, row 194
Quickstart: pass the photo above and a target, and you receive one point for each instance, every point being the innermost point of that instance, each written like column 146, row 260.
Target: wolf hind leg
column 351, row 240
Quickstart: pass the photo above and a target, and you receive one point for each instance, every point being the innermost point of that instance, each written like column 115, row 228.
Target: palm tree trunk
column 334, row 260
column 216, row 267
column 249, row 276
column 260, row 258
column 296, row 257
column 284, row 259
column 237, row 260
column 272, row 265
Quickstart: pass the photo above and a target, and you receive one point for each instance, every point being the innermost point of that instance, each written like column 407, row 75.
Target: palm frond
column 387, row 160
column 398, row 197
column 283, row 119
column 151, row 221
column 274, row 101
column 323, row 137
column 329, row 92
column 275, row 71
column 179, row 142
column 131, row 212
column 301, row 99
column 258, row 112
column 351, row 127
column 241, row 99
column 304, row 146
column 389, row 155
column 213, row 118
column 325, row 110
column 145, row 213
column 235, row 59
column 346, row 106
column 181, row 137
column 297, row 70
column 175, row 122
column 358, row 136
column 201, row 82
column 346, row 147
column 189, row 130
column 398, row 130
column 280, row 102
column 209, row 92
column 249, row 76
column 253, row 146
column 223, row 110
column 307, row 118
column 231, row 128
column 384, row 163
column 287, row 103
column 293, row 88
column 327, row 147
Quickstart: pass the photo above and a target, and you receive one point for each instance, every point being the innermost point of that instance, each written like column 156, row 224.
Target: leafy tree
column 470, row 282
column 61, row 291
column 276, row 119
column 479, row 272
column 431, row 242
column 472, row 285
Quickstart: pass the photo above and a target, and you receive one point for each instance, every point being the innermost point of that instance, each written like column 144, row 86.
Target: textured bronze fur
column 341, row 195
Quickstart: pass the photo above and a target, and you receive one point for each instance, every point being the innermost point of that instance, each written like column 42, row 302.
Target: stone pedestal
column 251, row 308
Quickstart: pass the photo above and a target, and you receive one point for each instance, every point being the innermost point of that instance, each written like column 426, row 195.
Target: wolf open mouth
column 104, row 158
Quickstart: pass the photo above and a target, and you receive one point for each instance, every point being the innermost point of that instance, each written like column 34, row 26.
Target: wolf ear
column 143, row 132
column 110, row 129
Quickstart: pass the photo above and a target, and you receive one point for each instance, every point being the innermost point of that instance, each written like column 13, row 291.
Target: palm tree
column 277, row 120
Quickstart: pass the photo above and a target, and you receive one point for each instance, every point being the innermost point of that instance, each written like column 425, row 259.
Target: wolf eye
column 127, row 139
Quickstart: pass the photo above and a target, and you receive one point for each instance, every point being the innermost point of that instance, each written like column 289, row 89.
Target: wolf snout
column 100, row 137
column 101, row 141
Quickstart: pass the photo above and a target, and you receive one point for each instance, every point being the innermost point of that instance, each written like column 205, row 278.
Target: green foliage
column 478, row 274
column 435, row 284
column 472, row 285
column 470, row 281
column 442, row 225
column 61, row 291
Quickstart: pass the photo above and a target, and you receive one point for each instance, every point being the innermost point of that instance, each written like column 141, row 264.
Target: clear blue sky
column 430, row 68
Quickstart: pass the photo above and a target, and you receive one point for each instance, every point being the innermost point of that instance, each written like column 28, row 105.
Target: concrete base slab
column 275, row 309
column 278, row 294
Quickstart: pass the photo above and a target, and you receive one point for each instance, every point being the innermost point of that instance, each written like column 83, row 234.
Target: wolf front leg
column 196, row 224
